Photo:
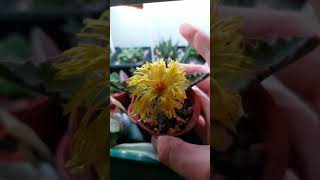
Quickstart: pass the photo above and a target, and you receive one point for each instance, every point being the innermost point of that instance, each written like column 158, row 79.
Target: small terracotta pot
column 191, row 124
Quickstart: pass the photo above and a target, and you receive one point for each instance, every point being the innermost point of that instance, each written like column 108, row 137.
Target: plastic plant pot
column 190, row 125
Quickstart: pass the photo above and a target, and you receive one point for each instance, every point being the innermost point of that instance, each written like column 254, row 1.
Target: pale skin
column 292, row 121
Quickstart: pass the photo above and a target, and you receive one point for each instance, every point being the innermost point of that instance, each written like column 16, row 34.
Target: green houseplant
column 190, row 55
column 120, row 96
column 166, row 49
column 130, row 56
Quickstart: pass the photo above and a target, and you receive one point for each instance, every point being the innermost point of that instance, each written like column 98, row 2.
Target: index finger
column 198, row 39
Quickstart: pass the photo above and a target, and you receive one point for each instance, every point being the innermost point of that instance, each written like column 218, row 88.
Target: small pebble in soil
column 189, row 111
column 177, row 128
column 186, row 110
column 180, row 121
column 171, row 131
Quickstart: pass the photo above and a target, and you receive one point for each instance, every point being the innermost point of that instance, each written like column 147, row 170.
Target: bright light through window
column 133, row 27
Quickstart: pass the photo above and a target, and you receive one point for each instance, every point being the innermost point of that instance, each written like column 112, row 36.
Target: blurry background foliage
column 131, row 56
column 166, row 49
column 14, row 46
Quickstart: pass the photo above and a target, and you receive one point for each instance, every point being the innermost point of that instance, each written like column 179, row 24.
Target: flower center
column 160, row 87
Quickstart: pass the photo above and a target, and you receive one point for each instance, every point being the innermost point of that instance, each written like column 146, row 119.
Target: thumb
column 188, row 160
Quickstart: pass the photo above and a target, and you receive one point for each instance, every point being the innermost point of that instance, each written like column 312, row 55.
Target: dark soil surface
column 164, row 125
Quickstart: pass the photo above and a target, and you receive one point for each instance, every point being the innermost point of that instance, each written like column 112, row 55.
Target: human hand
column 189, row 160
column 287, row 104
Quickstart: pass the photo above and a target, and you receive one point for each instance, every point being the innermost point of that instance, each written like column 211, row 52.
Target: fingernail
column 154, row 141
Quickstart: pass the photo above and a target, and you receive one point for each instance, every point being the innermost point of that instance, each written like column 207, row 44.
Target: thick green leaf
column 122, row 86
column 194, row 79
column 189, row 52
column 114, row 77
column 166, row 49
column 38, row 78
column 130, row 56
column 24, row 74
column 13, row 90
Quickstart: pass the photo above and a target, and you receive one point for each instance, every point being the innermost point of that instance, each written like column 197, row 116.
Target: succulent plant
column 130, row 56
column 189, row 54
column 166, row 50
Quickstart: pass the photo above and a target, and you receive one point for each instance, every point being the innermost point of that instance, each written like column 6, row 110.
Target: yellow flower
column 158, row 88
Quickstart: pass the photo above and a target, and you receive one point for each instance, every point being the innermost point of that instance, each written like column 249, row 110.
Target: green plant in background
column 166, row 50
column 114, row 77
column 192, row 51
column 14, row 48
column 130, row 56
column 189, row 54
